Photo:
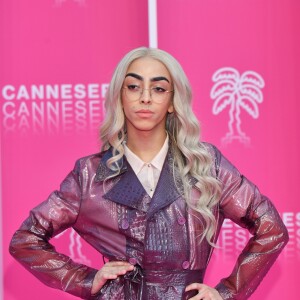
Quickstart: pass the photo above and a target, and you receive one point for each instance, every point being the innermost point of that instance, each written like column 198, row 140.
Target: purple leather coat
column 158, row 235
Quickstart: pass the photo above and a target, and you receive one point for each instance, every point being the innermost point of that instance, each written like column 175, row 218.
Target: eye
column 158, row 90
column 133, row 87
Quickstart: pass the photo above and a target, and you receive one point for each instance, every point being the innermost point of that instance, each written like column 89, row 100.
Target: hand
column 205, row 292
column 111, row 270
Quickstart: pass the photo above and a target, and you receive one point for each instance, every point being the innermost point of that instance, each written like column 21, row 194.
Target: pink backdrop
column 56, row 58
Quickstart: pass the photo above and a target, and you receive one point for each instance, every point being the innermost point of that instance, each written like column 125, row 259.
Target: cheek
column 128, row 109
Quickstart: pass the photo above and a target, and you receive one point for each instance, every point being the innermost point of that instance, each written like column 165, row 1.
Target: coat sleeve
column 30, row 243
column 242, row 202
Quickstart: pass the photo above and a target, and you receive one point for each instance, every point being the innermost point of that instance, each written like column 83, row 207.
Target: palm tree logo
column 237, row 92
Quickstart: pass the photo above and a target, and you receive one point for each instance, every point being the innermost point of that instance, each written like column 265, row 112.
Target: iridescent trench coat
column 158, row 235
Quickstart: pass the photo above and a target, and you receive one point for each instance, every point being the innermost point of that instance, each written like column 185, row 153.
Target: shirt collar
column 157, row 162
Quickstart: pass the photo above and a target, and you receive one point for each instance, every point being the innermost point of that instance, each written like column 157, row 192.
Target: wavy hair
column 191, row 157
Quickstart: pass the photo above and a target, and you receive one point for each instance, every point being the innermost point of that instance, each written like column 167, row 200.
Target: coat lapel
column 127, row 189
column 166, row 190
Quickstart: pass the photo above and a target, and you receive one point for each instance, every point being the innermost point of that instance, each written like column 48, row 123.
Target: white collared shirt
column 148, row 173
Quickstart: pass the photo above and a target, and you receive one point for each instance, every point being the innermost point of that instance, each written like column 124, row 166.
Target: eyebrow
column 139, row 77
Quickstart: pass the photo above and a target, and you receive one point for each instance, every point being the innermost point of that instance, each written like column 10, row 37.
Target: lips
column 145, row 113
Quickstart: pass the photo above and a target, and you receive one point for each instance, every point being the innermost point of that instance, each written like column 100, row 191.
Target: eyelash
column 132, row 86
column 156, row 88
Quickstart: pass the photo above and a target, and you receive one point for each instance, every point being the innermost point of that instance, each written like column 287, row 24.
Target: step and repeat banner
column 56, row 60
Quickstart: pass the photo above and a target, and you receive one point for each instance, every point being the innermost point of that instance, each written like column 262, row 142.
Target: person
column 152, row 202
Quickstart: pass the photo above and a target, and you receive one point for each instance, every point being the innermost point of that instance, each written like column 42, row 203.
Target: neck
column 146, row 144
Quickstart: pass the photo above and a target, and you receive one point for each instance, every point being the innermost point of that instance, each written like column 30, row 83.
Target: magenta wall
column 70, row 47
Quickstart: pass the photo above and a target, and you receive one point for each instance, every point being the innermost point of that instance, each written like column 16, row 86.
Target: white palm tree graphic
column 236, row 91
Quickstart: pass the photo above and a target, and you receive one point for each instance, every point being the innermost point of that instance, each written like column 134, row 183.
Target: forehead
column 148, row 67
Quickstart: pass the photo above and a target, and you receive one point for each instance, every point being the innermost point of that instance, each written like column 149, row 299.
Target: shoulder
column 90, row 162
column 214, row 152
column 215, row 155
column 225, row 169
column 209, row 146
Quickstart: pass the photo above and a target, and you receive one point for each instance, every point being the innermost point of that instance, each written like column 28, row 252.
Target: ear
column 171, row 108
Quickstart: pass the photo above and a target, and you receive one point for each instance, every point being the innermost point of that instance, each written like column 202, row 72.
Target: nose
column 145, row 96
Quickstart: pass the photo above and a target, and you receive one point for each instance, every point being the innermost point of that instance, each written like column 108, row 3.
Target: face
column 143, row 112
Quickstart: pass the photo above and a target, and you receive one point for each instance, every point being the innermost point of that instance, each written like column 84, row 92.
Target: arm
column 30, row 244
column 242, row 202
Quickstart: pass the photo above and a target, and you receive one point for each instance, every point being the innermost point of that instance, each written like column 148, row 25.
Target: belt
column 136, row 280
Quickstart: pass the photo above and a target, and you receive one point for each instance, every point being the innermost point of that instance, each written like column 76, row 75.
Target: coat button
column 186, row 264
column 124, row 224
column 147, row 199
column 132, row 260
column 181, row 220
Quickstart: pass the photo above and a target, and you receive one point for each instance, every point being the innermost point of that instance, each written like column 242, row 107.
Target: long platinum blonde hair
column 190, row 156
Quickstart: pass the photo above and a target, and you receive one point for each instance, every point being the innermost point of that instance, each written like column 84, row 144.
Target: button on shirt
column 148, row 172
